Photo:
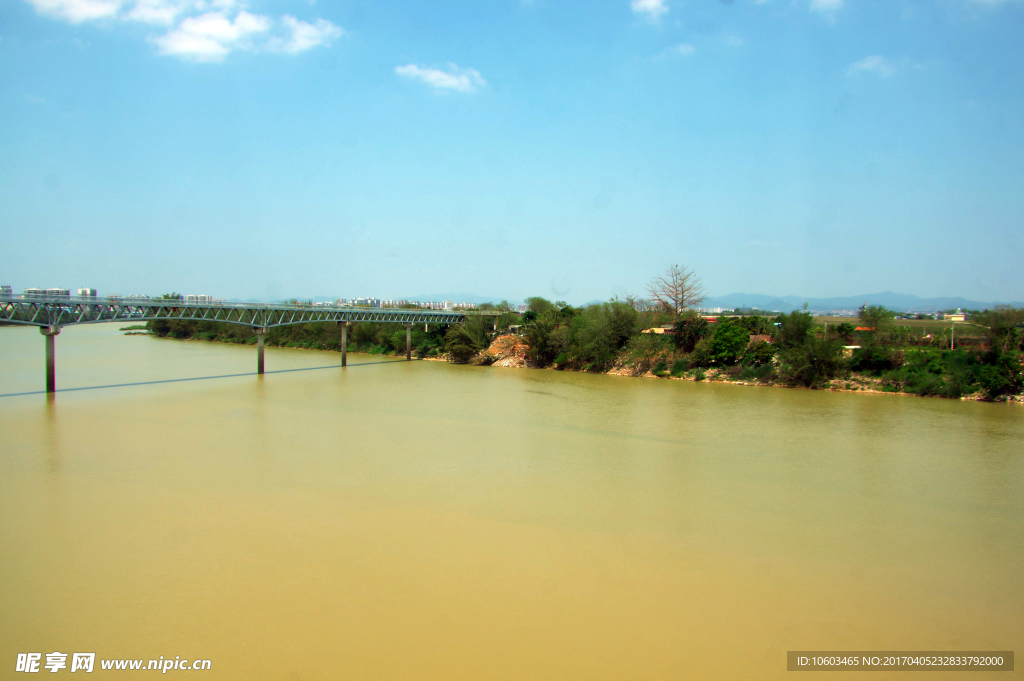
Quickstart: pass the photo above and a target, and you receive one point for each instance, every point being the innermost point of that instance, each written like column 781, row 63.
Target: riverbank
column 512, row 351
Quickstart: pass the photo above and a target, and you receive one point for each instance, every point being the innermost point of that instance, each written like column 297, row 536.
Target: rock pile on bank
column 507, row 351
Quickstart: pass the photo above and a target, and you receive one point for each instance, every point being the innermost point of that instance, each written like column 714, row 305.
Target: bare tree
column 677, row 289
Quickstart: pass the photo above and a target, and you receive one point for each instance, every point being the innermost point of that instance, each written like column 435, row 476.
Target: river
column 420, row 520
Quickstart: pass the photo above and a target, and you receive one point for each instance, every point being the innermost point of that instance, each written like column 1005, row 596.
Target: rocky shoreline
column 511, row 351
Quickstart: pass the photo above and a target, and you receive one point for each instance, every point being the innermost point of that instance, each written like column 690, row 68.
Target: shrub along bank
column 367, row 337
column 608, row 337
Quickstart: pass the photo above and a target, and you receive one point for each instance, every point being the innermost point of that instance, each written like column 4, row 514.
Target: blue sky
column 570, row 150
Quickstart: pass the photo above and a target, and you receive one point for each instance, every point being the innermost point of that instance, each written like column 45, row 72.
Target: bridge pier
column 259, row 348
column 50, row 332
column 408, row 341
column 344, row 344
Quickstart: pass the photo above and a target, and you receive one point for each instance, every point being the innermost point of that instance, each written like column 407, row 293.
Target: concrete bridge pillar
column 408, row 341
column 344, row 343
column 50, row 332
column 259, row 348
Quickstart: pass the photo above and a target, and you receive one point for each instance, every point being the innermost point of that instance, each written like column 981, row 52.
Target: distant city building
column 87, row 293
column 341, row 301
column 522, row 308
column 6, row 291
column 48, row 292
column 194, row 298
column 957, row 316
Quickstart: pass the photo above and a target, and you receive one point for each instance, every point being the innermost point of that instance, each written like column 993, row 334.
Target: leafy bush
column 759, row 353
column 690, row 330
column 701, row 355
column 466, row 339
column 728, row 342
column 679, row 367
column 793, row 329
column 764, row 372
column 661, row 368
column 643, row 350
column 812, row 363
column 875, row 359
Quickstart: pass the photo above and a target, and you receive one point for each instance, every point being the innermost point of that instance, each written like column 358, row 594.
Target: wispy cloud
column 875, row 64
column 454, row 78
column 211, row 36
column 305, row 36
column 77, row 11
column 201, row 30
column 651, row 9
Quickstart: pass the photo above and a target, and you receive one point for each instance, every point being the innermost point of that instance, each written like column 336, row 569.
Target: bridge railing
column 173, row 302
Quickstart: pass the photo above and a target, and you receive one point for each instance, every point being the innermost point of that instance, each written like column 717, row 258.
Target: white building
column 6, row 291
column 198, row 298
column 87, row 293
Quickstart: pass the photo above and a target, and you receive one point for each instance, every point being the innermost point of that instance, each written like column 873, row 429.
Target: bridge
column 51, row 313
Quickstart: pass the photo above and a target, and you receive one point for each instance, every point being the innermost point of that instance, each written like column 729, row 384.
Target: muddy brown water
column 418, row 520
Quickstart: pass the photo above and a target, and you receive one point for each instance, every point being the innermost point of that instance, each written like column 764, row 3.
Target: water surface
column 418, row 520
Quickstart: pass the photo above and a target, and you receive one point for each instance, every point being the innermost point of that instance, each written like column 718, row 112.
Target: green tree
column 729, row 342
column 689, row 330
column 1002, row 327
column 812, row 363
column 465, row 340
column 539, row 305
column 793, row 329
column 875, row 318
column 759, row 354
column 538, row 334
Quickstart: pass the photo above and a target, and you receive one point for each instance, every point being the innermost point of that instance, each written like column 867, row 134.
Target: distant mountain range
column 898, row 302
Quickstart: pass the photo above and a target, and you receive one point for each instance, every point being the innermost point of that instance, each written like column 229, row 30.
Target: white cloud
column 305, row 36
column 455, row 78
column 158, row 11
column 874, row 64
column 201, row 30
column 77, row 11
column 210, row 36
column 685, row 49
column 652, row 8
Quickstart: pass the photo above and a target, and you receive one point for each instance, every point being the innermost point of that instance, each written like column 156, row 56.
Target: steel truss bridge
column 50, row 313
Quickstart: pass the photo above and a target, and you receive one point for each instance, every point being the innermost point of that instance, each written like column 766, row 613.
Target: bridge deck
column 65, row 311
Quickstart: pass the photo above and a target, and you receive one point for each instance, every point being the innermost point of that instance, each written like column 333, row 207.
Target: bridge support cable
column 408, row 341
column 259, row 348
column 50, row 332
column 344, row 343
